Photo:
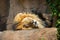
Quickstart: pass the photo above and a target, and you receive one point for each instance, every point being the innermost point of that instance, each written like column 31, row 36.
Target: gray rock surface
column 4, row 11
column 34, row 34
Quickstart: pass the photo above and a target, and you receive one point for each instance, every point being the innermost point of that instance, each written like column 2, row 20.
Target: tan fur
column 26, row 18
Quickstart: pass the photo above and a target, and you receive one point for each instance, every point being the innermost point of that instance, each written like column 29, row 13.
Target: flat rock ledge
column 34, row 34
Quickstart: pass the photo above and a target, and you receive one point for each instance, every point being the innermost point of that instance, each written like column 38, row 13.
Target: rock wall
column 4, row 11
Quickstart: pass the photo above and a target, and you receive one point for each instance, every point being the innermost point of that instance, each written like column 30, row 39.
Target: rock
column 34, row 34
column 4, row 11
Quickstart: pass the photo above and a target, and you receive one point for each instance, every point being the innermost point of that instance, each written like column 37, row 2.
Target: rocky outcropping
column 34, row 34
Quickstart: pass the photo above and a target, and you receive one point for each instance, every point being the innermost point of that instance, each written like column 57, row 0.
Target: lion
column 26, row 20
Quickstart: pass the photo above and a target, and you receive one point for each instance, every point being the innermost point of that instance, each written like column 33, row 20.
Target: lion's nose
column 35, row 24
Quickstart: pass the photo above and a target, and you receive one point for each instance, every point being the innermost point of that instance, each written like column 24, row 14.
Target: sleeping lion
column 23, row 21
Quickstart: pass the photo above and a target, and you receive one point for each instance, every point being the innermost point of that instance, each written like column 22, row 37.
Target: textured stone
column 34, row 34
column 4, row 11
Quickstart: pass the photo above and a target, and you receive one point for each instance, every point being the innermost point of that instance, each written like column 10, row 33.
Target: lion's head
column 27, row 21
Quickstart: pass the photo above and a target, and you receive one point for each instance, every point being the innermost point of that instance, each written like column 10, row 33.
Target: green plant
column 55, row 8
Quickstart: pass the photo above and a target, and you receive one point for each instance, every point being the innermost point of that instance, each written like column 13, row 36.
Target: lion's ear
column 17, row 18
